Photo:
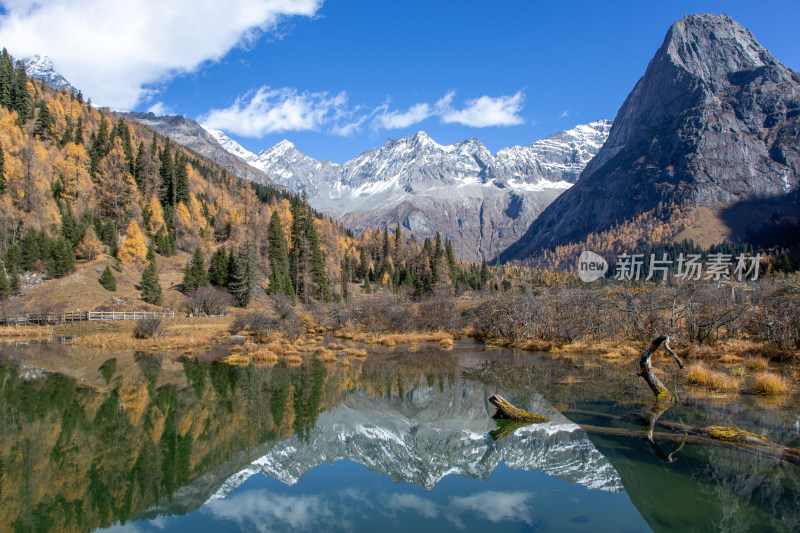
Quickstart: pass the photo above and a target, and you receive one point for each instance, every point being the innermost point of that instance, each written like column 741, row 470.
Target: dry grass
column 236, row 359
column 264, row 356
column 327, row 356
column 757, row 364
column 353, row 352
column 236, row 349
column 770, row 384
column 447, row 344
column 346, row 361
column 699, row 374
column 25, row 332
column 335, row 347
column 250, row 347
column 291, row 359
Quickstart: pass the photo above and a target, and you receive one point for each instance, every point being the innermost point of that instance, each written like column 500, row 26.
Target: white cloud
column 565, row 113
column 263, row 511
column 112, row 49
column 412, row 502
column 389, row 120
column 275, row 110
column 160, row 108
column 484, row 111
column 498, row 506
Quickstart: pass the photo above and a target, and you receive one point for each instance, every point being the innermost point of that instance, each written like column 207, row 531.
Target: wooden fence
column 63, row 318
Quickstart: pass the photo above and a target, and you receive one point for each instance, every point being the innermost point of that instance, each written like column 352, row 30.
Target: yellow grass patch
column 700, row 374
column 346, row 361
column 250, row 347
column 264, row 356
column 335, row 347
column 756, row 364
column 236, row 359
column 770, row 384
column 353, row 352
column 236, row 349
column 25, row 332
column 292, row 359
column 447, row 344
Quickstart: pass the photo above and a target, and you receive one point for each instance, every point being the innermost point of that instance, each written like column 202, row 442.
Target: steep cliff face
column 714, row 121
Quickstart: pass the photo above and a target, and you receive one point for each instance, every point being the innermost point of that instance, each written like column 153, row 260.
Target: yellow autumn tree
column 134, row 248
column 90, row 246
column 156, row 220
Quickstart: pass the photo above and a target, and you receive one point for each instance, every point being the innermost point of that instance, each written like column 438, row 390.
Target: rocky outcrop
column 192, row 135
column 714, row 121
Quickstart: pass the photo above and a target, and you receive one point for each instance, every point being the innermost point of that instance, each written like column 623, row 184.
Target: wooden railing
column 127, row 315
column 77, row 316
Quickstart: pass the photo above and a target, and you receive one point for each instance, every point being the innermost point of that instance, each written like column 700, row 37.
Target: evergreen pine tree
column 450, row 257
column 5, row 284
column 6, row 80
column 60, row 259
column 29, row 250
column 279, row 279
column 43, row 127
column 19, row 94
column 69, row 227
column 218, row 268
column 100, row 146
column 181, row 179
column 484, row 276
column 149, row 285
column 140, row 167
column 107, row 280
column 166, row 172
column 242, row 276
column 299, row 254
column 195, row 274
column 79, row 131
column 2, row 172
column 319, row 277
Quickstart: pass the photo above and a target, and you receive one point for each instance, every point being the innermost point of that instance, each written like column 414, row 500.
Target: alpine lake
column 398, row 441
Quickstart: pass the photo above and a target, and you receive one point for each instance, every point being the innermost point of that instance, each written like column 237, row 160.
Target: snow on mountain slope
column 41, row 68
column 479, row 200
column 430, row 435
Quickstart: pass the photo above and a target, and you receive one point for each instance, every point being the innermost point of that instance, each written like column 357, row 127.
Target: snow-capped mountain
column 480, row 201
column 41, row 68
column 430, row 435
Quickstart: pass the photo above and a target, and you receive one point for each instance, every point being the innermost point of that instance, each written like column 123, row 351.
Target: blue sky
column 337, row 77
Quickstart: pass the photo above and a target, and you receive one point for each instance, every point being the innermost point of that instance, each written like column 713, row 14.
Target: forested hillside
column 77, row 182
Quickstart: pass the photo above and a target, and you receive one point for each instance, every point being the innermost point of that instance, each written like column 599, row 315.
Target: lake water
column 400, row 441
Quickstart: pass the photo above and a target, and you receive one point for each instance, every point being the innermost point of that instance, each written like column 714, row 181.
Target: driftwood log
column 506, row 410
column 646, row 368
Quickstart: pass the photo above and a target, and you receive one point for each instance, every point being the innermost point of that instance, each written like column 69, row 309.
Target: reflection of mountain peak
column 430, row 435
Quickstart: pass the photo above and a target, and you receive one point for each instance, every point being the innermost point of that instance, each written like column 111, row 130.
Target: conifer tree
column 60, row 259
column 6, row 80
column 5, row 284
column 450, row 257
column 140, row 167
column 319, row 277
column 79, row 131
column 100, row 146
column 195, row 274
column 218, row 268
column 150, row 287
column 242, row 276
column 69, row 227
column 43, row 127
column 107, row 280
column 166, row 172
column 181, row 179
column 279, row 279
column 299, row 253
column 2, row 172
column 484, row 276
column 19, row 93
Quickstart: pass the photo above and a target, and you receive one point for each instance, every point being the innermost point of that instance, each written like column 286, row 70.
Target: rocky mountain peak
column 712, row 123
column 41, row 68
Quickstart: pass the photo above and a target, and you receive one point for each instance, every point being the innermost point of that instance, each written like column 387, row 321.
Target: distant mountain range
column 481, row 201
column 712, row 128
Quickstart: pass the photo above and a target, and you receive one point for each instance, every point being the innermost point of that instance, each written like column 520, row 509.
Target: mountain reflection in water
column 144, row 443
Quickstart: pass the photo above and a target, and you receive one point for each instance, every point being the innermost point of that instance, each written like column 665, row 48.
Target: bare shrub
column 383, row 312
column 208, row 301
column 439, row 311
column 148, row 328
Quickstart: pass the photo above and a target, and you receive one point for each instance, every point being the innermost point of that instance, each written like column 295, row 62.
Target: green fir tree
column 149, row 285
column 107, row 280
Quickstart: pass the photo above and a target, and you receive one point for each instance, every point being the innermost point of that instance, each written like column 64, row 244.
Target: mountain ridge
column 475, row 198
column 712, row 123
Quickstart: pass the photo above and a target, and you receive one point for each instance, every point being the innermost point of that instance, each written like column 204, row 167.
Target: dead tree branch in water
column 646, row 369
